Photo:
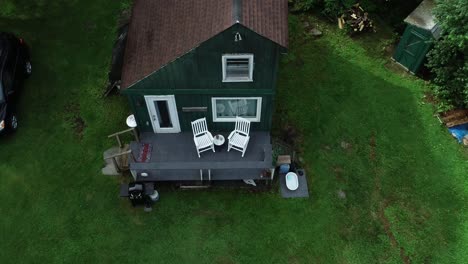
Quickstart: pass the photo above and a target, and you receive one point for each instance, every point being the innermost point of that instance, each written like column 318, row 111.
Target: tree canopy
column 448, row 58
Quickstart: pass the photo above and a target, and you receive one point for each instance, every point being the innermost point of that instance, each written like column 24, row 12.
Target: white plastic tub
column 292, row 182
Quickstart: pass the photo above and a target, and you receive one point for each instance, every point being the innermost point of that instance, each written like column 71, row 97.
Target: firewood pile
column 454, row 117
column 356, row 20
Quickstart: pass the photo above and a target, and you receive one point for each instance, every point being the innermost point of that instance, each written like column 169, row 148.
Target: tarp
column 459, row 131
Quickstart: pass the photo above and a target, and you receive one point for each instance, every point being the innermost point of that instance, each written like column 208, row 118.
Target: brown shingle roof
column 268, row 18
column 163, row 30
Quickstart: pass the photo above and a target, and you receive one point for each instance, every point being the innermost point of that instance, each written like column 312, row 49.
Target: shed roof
column 422, row 16
column 161, row 30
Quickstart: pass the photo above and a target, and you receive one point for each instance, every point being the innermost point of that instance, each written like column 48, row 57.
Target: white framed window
column 237, row 67
column 225, row 109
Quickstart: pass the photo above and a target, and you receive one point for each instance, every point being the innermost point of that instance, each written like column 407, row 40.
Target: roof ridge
column 236, row 11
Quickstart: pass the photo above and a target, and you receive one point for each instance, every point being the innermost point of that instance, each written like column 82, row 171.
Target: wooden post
column 133, row 156
column 135, row 133
column 116, row 164
column 119, row 141
column 117, row 135
column 114, row 159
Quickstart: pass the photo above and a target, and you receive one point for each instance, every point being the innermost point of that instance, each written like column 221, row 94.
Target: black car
column 15, row 67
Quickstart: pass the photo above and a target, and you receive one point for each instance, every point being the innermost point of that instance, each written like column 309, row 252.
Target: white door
column 163, row 113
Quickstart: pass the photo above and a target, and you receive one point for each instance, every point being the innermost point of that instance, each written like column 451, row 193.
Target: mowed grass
column 56, row 207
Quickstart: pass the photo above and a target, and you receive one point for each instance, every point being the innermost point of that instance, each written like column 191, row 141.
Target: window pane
column 237, row 68
column 228, row 108
column 162, row 110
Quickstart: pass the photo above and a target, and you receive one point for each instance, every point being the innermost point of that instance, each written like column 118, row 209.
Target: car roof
column 4, row 44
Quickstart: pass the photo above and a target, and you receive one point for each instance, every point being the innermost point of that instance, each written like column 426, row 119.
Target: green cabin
column 216, row 59
column 418, row 38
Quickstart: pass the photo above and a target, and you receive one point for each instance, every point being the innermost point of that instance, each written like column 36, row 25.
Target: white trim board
column 250, row 57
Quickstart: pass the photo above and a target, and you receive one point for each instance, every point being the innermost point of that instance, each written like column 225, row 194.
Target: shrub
column 447, row 60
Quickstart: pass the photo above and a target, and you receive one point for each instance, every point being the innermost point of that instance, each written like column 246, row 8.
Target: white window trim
column 257, row 117
column 238, row 56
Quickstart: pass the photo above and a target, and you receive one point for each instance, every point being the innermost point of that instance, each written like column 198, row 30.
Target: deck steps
column 116, row 161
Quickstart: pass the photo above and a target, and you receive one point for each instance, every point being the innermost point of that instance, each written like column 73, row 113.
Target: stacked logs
column 356, row 20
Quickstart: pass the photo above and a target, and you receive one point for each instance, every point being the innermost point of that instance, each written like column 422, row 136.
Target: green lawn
column 404, row 177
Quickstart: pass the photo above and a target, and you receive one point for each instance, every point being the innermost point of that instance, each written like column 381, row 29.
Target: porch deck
column 174, row 158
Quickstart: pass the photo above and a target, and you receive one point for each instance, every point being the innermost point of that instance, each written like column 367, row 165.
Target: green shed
column 217, row 59
column 418, row 38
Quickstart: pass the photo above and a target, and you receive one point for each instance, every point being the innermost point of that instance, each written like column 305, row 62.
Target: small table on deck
column 218, row 140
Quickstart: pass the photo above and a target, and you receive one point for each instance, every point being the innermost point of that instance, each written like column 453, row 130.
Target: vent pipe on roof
column 237, row 10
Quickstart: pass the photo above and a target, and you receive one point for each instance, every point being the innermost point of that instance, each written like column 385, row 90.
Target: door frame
column 172, row 107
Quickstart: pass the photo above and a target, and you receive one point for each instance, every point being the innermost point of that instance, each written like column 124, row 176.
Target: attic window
column 238, row 68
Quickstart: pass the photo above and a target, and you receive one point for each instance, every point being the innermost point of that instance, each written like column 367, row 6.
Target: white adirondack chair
column 201, row 136
column 239, row 138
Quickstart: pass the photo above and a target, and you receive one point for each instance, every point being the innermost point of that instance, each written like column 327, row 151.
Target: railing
column 114, row 157
column 123, row 152
column 117, row 135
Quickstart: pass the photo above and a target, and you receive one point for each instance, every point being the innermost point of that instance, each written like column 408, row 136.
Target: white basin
column 292, row 182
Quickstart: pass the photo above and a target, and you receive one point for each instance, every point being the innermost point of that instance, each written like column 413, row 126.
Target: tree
column 447, row 60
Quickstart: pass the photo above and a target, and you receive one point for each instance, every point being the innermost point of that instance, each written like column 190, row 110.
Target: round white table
column 131, row 122
column 218, row 140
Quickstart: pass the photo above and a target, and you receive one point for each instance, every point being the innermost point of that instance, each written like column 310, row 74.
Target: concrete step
column 122, row 161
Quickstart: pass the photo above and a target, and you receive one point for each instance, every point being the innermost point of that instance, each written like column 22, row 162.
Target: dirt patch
column 76, row 121
column 373, row 145
column 389, row 50
column 396, row 68
column 79, row 126
column 387, row 227
column 383, row 203
column 289, row 134
column 430, row 98
column 339, row 174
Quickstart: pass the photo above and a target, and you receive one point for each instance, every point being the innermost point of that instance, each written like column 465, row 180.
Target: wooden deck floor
column 174, row 158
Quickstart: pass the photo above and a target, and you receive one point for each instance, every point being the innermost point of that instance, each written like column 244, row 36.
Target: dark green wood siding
column 202, row 100
column 196, row 77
